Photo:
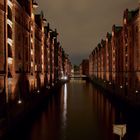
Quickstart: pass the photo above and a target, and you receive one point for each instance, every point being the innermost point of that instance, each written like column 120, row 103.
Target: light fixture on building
column 19, row 101
column 32, row 16
column 31, row 52
column 31, row 28
column 10, row 60
column 9, row 22
column 10, row 41
column 112, row 33
column 44, row 21
column 121, row 86
column 136, row 91
column 35, row 5
column 31, row 40
column 38, row 91
column 32, row 64
column 124, row 21
column 109, row 83
column 35, row 67
column 106, row 39
column 10, row 4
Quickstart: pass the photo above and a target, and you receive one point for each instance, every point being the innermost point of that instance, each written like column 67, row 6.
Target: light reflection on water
column 77, row 111
column 65, row 106
column 64, row 112
column 77, row 80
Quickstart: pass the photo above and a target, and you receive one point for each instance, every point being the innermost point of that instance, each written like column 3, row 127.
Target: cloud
column 82, row 23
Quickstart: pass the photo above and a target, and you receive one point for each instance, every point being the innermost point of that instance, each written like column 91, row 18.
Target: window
column 9, row 13
column 9, row 32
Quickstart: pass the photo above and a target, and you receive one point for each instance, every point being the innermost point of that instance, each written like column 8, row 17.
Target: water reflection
column 78, row 110
column 109, row 112
column 106, row 114
column 64, row 111
column 65, row 106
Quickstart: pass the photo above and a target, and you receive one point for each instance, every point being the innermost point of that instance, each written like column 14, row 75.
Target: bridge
column 78, row 76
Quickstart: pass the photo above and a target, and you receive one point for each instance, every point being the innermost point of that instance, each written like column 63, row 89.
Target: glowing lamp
column 19, row 101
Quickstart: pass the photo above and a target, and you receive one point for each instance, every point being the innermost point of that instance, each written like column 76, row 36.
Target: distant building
column 84, row 67
column 91, row 74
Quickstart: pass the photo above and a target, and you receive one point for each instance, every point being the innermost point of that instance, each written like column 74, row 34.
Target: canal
column 77, row 111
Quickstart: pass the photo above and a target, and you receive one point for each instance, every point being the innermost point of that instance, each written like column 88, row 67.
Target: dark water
column 77, row 112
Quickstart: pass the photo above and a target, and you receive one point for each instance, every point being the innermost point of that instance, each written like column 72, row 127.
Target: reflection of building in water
column 107, row 115
column 84, row 67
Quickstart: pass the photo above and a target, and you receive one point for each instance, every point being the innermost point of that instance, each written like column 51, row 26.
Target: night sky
column 83, row 23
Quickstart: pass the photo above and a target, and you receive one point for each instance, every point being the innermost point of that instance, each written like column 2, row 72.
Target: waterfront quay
column 42, row 96
column 32, row 60
column 77, row 110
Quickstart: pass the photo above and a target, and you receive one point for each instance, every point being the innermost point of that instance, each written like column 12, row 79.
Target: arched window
column 9, row 13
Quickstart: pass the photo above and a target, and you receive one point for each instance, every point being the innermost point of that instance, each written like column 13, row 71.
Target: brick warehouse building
column 116, row 60
column 84, row 67
column 28, row 52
